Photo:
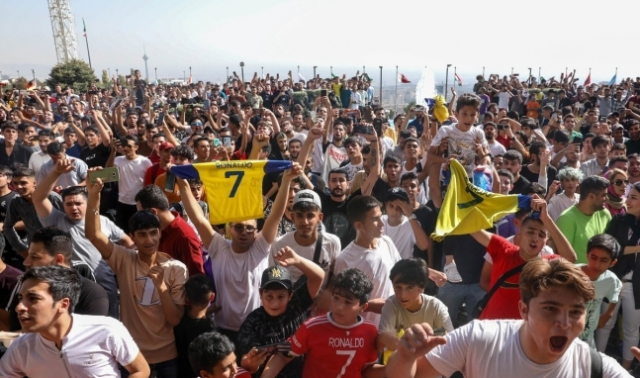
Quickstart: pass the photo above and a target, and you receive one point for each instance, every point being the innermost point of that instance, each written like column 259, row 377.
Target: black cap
column 276, row 274
column 613, row 114
column 397, row 194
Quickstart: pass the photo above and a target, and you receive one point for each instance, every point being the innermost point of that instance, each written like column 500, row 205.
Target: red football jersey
column 242, row 373
column 334, row 351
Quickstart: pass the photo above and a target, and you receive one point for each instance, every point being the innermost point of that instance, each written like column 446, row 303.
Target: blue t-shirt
column 74, row 151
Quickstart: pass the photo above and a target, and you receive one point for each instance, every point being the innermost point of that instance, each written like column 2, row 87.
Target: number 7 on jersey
column 239, row 175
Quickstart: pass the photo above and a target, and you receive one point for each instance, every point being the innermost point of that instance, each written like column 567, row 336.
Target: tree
column 20, row 83
column 106, row 80
column 408, row 107
column 76, row 74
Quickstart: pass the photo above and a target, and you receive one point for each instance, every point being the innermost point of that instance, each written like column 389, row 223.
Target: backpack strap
column 596, row 363
column 318, row 249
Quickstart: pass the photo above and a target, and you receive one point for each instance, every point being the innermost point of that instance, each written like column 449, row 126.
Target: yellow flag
column 467, row 208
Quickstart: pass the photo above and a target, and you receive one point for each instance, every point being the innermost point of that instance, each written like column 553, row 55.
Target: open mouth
column 558, row 343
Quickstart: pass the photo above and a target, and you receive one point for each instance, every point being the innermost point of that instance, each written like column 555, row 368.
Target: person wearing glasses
column 618, row 182
column 237, row 264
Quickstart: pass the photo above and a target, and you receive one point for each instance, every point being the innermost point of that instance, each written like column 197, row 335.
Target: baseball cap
column 166, row 146
column 613, row 114
column 307, row 195
column 397, row 194
column 276, row 274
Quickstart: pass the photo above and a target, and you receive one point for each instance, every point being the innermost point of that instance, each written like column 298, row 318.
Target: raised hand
column 94, row 188
column 418, row 341
column 287, row 257
column 65, row 166
column 156, row 273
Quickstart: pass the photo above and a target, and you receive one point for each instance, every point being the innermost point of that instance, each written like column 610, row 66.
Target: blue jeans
column 164, row 369
column 454, row 294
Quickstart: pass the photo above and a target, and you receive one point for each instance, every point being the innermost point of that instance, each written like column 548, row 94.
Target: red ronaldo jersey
column 333, row 350
column 242, row 373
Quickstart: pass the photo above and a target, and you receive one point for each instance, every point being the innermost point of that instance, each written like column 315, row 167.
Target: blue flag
column 613, row 79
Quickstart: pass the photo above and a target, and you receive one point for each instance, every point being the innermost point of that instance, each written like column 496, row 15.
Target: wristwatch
column 412, row 217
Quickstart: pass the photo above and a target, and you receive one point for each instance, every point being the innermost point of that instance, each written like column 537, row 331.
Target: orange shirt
column 532, row 109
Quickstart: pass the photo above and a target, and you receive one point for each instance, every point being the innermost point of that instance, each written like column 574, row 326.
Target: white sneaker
column 452, row 273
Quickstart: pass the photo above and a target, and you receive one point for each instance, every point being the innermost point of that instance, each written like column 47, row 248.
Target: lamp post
column 483, row 71
column 242, row 70
column 380, row 85
column 184, row 76
column 117, row 74
column 314, row 72
column 446, row 82
column 156, row 70
column 33, row 72
column 18, row 73
column 262, row 72
column 331, row 68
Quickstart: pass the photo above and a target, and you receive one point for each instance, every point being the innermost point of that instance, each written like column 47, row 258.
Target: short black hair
column 63, row 282
column 24, row 172
column 592, row 184
column 340, row 171
column 468, row 99
column 143, row 220
column 207, row 350
column 599, row 140
column 352, row 283
column 55, row 241
column 358, row 208
column 47, row 133
column 197, row 289
column 534, row 188
column 512, row 155
column 126, row 138
column 201, row 139
column 410, row 272
column 606, row 242
column 152, row 197
column 391, row 158
column 617, row 159
column 506, row 173
column 55, row 148
column 561, row 137
column 409, row 176
column 6, row 171
column 536, row 147
column 306, row 207
column 183, row 151
column 74, row 190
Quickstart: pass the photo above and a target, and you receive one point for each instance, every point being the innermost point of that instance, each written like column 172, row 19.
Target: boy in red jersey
column 340, row 343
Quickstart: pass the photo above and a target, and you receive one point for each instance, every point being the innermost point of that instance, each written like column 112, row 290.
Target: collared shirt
column 592, row 168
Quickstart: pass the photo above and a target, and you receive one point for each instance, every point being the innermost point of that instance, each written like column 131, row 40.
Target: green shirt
column 579, row 228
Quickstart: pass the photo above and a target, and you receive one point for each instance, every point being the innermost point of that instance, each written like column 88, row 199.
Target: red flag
column 459, row 80
column 31, row 85
column 403, row 79
column 588, row 81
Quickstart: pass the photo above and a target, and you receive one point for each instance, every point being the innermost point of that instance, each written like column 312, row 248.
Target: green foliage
column 106, row 80
column 408, row 107
column 76, row 73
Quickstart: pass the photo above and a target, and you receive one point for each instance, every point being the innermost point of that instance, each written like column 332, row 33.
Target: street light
column 242, row 70
column 18, row 73
column 380, row 85
column 156, row 70
column 262, row 72
column 33, row 72
column 446, row 82
column 314, row 72
column 226, row 79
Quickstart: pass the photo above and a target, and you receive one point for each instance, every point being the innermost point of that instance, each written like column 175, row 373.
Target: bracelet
column 96, row 211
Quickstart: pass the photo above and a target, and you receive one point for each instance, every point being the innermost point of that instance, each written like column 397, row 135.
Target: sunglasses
column 621, row 182
column 239, row 228
column 196, row 124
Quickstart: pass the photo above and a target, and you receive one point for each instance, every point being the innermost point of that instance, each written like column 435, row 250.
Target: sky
column 280, row 35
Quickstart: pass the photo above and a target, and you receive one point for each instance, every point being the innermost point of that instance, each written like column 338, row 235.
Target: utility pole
column 446, row 82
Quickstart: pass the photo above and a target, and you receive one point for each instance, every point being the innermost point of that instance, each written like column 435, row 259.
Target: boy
column 401, row 225
column 199, row 293
column 464, row 142
column 602, row 253
column 410, row 305
column 340, row 343
column 543, row 344
column 211, row 355
column 284, row 308
column 569, row 179
column 195, row 184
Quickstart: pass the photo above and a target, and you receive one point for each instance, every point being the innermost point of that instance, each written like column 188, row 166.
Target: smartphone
column 160, row 119
column 117, row 103
column 206, row 104
column 377, row 126
column 314, row 116
column 169, row 182
column 111, row 174
column 273, row 348
column 323, row 92
column 226, row 141
column 185, row 101
column 216, row 142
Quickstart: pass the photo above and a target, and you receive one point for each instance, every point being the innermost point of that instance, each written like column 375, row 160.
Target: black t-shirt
column 4, row 204
column 185, row 332
column 93, row 299
column 336, row 220
column 552, row 172
column 468, row 255
column 95, row 157
column 8, row 280
column 633, row 146
column 379, row 190
column 519, row 185
column 260, row 329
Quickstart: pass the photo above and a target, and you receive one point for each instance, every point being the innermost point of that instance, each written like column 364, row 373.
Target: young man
column 96, row 153
column 211, row 356
column 586, row 218
column 71, row 220
column 496, row 148
column 182, row 155
column 602, row 253
column 569, row 180
column 539, row 170
column 10, row 150
column 371, row 251
column 601, row 145
column 401, row 225
column 513, row 163
column 21, row 214
column 544, row 343
column 38, row 158
column 57, row 340
column 151, row 284
column 353, row 146
column 238, row 263
column 177, row 238
column 132, row 169
column 531, row 238
column 74, row 178
column 307, row 217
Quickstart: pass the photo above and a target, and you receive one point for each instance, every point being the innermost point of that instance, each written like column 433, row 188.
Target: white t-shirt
column 402, row 236
column 496, row 148
column 492, row 348
column 356, row 100
column 36, row 161
column 131, row 177
column 433, row 311
column 546, row 251
column 462, row 144
column 94, row 347
column 375, row 263
column 237, row 277
column 503, row 100
column 330, row 249
column 560, row 203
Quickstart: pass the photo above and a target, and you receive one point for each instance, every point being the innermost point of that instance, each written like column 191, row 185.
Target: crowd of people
column 114, row 264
